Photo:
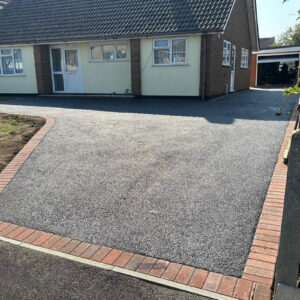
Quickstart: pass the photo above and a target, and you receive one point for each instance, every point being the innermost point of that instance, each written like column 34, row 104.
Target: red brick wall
column 135, row 53
column 253, row 70
column 237, row 32
column 43, row 69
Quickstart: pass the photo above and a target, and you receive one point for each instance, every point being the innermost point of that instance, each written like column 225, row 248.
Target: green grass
column 15, row 123
column 5, row 129
column 8, row 127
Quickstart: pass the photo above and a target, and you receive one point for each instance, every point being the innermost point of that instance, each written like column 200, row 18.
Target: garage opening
column 278, row 70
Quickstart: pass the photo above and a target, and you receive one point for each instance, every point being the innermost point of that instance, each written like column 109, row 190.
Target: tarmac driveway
column 180, row 180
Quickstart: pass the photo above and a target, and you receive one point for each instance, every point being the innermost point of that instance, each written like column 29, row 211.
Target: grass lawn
column 15, row 132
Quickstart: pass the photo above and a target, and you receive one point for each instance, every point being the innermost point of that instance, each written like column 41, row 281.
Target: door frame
column 233, row 70
column 63, row 68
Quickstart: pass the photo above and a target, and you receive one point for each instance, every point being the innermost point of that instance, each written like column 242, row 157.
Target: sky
column 274, row 17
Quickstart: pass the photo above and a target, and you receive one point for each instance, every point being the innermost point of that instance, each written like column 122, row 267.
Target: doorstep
column 98, row 96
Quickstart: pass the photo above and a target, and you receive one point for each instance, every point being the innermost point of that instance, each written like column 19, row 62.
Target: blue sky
column 274, row 16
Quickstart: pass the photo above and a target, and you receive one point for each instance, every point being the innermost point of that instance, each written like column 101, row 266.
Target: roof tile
column 31, row 21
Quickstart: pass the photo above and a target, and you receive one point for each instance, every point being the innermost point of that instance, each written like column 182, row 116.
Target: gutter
column 90, row 40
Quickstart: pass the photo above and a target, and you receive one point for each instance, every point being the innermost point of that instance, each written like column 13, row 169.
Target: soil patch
column 15, row 132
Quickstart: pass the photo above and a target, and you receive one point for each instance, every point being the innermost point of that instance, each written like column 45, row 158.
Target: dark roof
column 265, row 43
column 30, row 21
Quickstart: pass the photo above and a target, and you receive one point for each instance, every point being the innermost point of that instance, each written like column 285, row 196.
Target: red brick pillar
column 253, row 70
column 43, row 69
column 203, row 67
column 135, row 51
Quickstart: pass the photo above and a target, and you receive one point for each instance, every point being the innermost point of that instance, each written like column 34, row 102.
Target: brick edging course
column 258, row 274
column 12, row 168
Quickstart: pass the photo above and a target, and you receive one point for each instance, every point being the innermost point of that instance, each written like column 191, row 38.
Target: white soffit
column 272, row 60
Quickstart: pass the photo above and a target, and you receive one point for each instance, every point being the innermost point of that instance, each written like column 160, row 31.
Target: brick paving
column 258, row 274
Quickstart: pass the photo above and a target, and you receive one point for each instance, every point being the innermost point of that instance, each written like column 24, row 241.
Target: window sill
column 244, row 68
column 12, row 75
column 170, row 65
column 227, row 66
column 108, row 61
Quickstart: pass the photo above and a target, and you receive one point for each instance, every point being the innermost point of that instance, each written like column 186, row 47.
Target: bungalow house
column 139, row 47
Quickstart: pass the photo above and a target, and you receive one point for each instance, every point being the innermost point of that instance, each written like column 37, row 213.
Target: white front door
column 66, row 70
column 232, row 75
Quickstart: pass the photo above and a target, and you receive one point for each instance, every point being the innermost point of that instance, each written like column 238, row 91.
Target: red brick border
column 257, row 278
column 12, row 168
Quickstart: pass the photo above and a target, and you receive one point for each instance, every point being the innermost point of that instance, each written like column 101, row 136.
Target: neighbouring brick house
column 265, row 43
column 142, row 47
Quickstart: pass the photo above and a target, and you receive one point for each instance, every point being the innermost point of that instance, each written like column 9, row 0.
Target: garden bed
column 15, row 132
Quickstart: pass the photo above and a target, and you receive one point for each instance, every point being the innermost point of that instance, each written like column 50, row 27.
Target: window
column 226, row 53
column 95, row 52
column 178, row 51
column 71, row 58
column 244, row 58
column 56, row 60
column 11, row 62
column 108, row 52
column 121, row 52
column 170, row 51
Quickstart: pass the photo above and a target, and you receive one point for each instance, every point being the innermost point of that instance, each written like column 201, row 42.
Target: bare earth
column 15, row 132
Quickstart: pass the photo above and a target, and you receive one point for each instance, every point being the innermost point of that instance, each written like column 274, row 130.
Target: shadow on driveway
column 259, row 104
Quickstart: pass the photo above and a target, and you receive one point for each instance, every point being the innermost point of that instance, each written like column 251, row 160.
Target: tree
column 291, row 37
column 296, row 89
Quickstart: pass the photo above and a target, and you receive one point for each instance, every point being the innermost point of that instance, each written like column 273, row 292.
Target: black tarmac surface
column 28, row 274
column 176, row 179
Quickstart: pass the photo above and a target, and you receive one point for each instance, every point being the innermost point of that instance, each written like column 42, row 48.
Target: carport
column 275, row 66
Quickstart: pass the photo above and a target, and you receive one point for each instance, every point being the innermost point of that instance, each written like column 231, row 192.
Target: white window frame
column 226, row 53
column 13, row 59
column 101, row 54
column 115, row 52
column 244, row 58
column 170, row 51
